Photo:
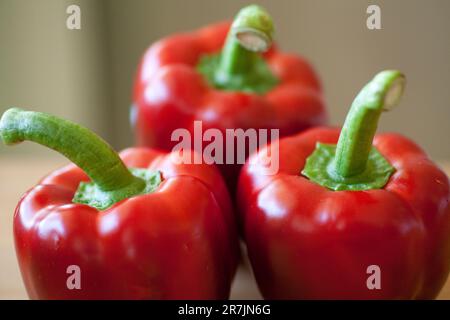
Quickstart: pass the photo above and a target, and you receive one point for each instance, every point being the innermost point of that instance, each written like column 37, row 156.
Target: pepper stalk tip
column 253, row 28
column 395, row 91
column 8, row 134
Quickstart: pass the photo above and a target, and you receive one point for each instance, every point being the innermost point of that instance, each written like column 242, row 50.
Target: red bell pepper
column 333, row 213
column 217, row 75
column 154, row 230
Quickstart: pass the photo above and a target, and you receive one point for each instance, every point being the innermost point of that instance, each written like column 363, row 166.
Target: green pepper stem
column 87, row 150
column 355, row 140
column 250, row 33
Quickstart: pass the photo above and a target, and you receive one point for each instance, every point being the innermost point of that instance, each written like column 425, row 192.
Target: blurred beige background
column 86, row 75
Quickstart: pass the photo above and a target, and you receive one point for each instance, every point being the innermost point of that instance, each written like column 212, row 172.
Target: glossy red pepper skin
column 178, row 242
column 307, row 242
column 169, row 93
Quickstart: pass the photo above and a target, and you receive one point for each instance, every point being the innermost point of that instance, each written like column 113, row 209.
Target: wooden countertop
column 18, row 174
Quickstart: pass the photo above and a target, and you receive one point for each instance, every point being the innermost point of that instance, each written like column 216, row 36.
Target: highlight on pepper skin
column 275, row 152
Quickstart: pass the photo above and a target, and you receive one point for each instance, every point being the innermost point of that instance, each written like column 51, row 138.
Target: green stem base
column 90, row 194
column 260, row 80
column 320, row 168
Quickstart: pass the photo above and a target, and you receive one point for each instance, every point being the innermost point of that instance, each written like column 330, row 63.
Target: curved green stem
column 112, row 181
column 240, row 66
column 355, row 140
column 354, row 164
